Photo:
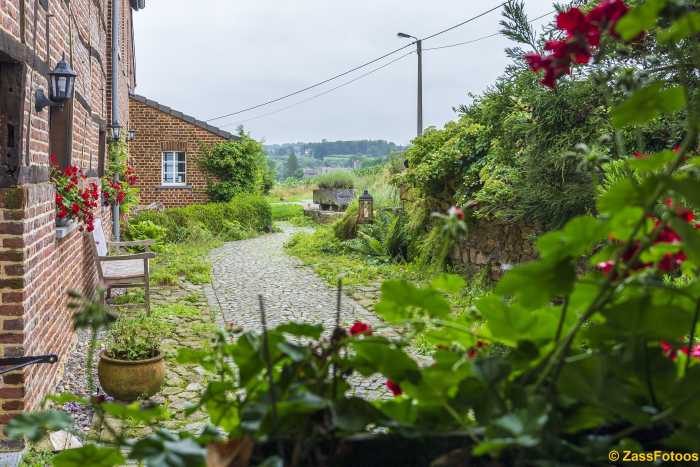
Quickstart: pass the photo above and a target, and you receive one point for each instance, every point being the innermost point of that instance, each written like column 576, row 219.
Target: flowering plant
column 75, row 198
column 120, row 192
column 124, row 192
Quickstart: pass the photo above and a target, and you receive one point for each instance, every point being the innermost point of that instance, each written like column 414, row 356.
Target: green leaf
column 401, row 301
column 135, row 412
column 691, row 239
column 648, row 103
column 536, row 283
column 378, row 357
column 688, row 25
column 89, row 455
column 450, row 283
column 353, row 415
column 297, row 353
column 301, row 329
column 575, row 239
column 689, row 189
column 651, row 321
column 653, row 162
column 34, row 426
column 65, row 398
column 165, row 449
column 640, row 19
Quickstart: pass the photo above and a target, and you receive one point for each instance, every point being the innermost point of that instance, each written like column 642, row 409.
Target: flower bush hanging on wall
column 76, row 199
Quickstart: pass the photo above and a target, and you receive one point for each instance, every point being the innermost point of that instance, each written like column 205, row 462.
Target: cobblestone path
column 292, row 292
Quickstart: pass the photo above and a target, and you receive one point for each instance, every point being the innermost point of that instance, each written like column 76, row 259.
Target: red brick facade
column 36, row 268
column 160, row 129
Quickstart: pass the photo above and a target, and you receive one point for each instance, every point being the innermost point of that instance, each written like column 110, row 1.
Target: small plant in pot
column 132, row 365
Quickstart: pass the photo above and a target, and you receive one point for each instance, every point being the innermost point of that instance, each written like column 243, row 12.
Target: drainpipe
column 116, row 28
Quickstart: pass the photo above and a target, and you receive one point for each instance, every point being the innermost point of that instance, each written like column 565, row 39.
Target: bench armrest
column 147, row 255
column 132, row 243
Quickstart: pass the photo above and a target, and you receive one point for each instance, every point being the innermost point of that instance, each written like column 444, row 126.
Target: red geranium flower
column 394, row 387
column 454, row 211
column 359, row 328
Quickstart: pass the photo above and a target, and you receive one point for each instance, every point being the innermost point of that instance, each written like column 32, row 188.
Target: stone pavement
column 292, row 292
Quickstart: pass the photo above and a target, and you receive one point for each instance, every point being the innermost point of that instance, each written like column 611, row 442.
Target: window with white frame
column 174, row 168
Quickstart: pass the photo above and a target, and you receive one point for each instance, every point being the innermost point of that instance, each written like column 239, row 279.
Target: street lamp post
column 419, row 51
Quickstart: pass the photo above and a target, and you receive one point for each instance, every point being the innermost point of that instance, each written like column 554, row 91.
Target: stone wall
column 495, row 246
column 158, row 129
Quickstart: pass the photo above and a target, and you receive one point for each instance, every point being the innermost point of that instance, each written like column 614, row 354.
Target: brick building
column 166, row 153
column 38, row 261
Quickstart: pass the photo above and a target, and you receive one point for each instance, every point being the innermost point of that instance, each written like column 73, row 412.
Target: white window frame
column 162, row 168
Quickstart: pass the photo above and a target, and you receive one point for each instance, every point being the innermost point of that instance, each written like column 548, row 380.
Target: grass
column 188, row 261
column 286, row 211
column 37, row 458
column 337, row 180
column 300, row 192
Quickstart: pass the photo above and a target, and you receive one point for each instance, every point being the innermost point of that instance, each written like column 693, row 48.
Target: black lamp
column 61, row 87
column 116, row 131
column 131, row 135
column 366, row 211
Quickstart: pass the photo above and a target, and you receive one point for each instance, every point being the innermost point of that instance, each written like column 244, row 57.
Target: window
column 174, row 168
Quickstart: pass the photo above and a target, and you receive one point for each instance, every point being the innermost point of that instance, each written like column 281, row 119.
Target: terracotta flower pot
column 127, row 380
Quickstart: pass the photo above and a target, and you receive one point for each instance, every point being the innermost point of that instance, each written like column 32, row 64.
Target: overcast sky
column 212, row 57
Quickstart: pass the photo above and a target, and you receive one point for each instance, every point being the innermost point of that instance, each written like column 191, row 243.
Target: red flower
column 472, row 353
column 668, row 350
column 59, row 199
column 359, row 328
column 668, row 235
column 454, row 211
column 75, row 208
column 606, row 267
column 62, row 213
column 395, row 388
column 572, row 21
column 120, row 197
column 639, row 155
column 54, row 160
column 606, row 15
column 671, row 261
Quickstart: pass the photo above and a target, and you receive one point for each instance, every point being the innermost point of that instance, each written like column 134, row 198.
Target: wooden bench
column 123, row 270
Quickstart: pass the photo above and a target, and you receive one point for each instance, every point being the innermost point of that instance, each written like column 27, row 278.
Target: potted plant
column 335, row 191
column 131, row 365
column 75, row 199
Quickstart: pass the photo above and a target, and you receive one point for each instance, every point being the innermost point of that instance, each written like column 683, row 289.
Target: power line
column 465, row 22
column 345, row 73
column 479, row 39
column 371, row 72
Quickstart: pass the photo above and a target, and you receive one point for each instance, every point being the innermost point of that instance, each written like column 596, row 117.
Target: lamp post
column 365, row 213
column 419, row 51
column 61, row 87
column 131, row 135
column 116, row 132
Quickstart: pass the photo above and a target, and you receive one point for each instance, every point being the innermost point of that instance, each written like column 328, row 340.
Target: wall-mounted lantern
column 116, row 131
column 366, row 212
column 131, row 135
column 61, row 87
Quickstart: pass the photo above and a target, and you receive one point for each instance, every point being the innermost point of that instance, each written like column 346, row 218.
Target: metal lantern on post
column 366, row 214
column 116, row 132
column 61, row 87
column 131, row 135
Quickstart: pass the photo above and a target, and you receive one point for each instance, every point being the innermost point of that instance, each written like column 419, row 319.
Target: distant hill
column 320, row 150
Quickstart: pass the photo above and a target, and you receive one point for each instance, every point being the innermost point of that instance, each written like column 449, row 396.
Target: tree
column 292, row 167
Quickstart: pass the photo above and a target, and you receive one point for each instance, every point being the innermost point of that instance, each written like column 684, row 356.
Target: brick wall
column 37, row 269
column 157, row 131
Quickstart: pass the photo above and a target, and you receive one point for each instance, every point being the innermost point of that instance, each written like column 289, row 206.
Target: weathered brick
column 15, row 256
column 13, row 378
column 11, row 310
column 13, row 324
column 12, row 198
column 7, row 338
column 12, row 297
column 13, row 405
column 12, row 393
column 12, row 284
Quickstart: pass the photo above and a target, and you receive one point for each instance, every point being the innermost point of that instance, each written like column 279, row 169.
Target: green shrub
column 346, row 227
column 135, row 338
column 242, row 217
column 337, row 180
column 240, row 166
column 146, row 230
